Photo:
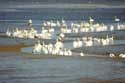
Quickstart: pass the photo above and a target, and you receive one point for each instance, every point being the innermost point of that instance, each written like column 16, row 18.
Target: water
column 16, row 68
column 19, row 17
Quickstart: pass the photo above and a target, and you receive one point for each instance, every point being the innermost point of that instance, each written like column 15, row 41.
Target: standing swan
column 37, row 48
column 117, row 20
column 30, row 22
column 8, row 33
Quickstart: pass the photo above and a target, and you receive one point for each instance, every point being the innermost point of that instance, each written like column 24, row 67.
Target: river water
column 15, row 68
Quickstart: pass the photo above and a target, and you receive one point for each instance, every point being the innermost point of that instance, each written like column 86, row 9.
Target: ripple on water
column 60, row 69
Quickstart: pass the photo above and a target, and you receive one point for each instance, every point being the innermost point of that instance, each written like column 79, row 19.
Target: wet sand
column 94, row 80
column 12, row 48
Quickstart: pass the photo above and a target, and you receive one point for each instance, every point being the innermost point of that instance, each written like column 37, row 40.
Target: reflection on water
column 16, row 68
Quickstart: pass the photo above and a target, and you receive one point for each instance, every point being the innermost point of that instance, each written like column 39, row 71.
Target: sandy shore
column 12, row 48
column 94, row 80
column 112, row 81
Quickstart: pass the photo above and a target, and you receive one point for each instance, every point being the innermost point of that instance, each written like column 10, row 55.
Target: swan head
column 63, row 21
column 30, row 21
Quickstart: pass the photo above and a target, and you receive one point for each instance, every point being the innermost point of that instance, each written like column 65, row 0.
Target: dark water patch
column 7, row 71
column 35, row 77
column 68, row 14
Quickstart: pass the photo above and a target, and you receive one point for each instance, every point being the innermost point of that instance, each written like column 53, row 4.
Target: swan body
column 122, row 55
column 8, row 33
column 111, row 55
column 82, row 54
column 37, row 48
column 111, row 28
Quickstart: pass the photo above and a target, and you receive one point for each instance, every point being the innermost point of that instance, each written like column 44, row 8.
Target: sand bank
column 11, row 48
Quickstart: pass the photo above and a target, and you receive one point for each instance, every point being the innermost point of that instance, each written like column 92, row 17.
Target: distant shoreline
column 61, row 5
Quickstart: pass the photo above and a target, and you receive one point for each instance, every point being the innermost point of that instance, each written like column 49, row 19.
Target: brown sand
column 94, row 80
column 106, row 82
column 11, row 48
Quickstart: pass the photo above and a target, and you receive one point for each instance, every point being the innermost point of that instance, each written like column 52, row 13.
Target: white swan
column 63, row 21
column 82, row 54
column 32, row 33
column 51, row 30
column 122, row 55
column 96, row 41
column 8, row 33
column 75, row 44
column 118, row 25
column 62, row 35
column 117, row 19
column 84, row 38
column 89, row 43
column 65, row 52
column 69, row 52
column 30, row 22
column 61, row 52
column 59, row 44
column 111, row 55
column 107, row 40
column 44, row 31
column 44, row 24
column 37, row 48
column 48, row 23
column 17, row 33
column 91, row 19
column 58, row 24
column 79, row 43
column 104, row 42
column 45, row 50
column 75, row 29
column 111, row 40
column 111, row 28
column 65, row 30
column 50, row 48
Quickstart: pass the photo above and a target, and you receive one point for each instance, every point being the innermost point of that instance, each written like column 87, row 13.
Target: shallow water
column 19, row 17
column 16, row 68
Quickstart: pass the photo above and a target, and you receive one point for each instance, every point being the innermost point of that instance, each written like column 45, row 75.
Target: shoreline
column 12, row 48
